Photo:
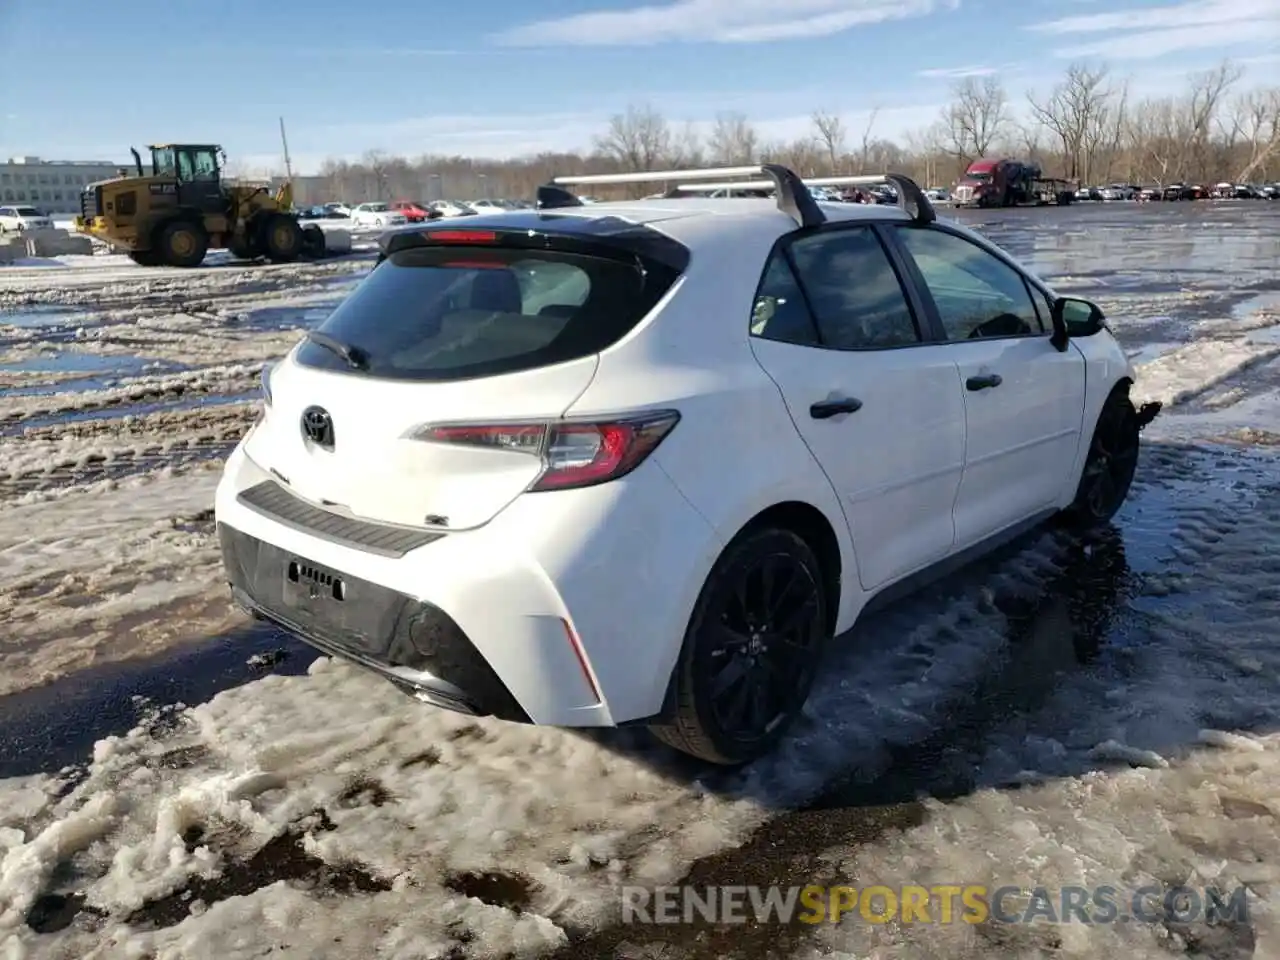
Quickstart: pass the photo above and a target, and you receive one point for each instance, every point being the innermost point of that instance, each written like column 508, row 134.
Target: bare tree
column 1151, row 138
column 1205, row 98
column 864, row 155
column 1258, row 119
column 734, row 140
column 1207, row 133
column 375, row 162
column 1075, row 112
column 831, row 136
column 976, row 117
column 639, row 139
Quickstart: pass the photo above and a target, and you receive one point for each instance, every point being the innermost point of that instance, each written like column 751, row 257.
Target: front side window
column 977, row 294
column 164, row 163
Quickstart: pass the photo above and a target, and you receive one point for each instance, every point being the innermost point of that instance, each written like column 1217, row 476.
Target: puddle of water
column 287, row 317
column 75, row 361
column 1263, row 302
column 38, row 315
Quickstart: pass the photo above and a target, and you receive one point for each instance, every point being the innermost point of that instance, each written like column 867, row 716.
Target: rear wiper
column 356, row 358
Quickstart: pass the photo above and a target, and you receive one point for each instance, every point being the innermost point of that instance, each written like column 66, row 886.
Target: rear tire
column 182, row 243
column 1110, row 465
column 242, row 249
column 313, row 242
column 751, row 651
column 145, row 258
column 280, row 238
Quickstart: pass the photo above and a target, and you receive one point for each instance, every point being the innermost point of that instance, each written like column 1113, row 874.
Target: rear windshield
column 455, row 313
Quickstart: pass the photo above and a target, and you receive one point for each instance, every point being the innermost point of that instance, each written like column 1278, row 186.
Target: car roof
column 689, row 218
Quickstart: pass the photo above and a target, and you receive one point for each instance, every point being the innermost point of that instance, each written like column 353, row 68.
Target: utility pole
column 288, row 166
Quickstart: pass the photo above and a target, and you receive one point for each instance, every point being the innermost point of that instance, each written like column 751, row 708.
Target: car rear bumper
column 414, row 645
column 549, row 613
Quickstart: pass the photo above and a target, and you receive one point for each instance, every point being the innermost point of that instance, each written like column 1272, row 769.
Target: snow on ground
column 119, row 569
column 176, row 838
column 325, row 814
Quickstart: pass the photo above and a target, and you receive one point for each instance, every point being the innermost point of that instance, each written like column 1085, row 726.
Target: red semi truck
column 1010, row 183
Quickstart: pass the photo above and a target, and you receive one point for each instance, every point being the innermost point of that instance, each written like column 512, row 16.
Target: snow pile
column 1190, row 370
column 1209, row 821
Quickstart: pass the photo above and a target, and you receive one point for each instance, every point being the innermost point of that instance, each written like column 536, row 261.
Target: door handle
column 984, row 383
column 827, row 409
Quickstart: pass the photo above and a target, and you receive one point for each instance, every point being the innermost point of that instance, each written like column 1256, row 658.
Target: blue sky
column 501, row 78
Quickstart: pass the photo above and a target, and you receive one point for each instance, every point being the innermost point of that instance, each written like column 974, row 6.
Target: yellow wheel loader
column 174, row 213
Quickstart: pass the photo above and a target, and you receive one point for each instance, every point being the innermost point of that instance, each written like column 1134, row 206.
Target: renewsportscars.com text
column 935, row 904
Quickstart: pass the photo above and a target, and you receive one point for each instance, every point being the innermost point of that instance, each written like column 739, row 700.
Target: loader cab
column 198, row 174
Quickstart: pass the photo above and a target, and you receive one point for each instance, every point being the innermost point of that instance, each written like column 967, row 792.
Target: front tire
column 183, row 243
column 1110, row 465
column 751, row 650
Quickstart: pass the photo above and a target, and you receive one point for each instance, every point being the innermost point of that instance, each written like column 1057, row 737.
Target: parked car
column 452, row 208
column 617, row 466
column 415, row 212
column 321, row 213
column 21, row 218
column 377, row 215
column 487, row 206
column 340, row 208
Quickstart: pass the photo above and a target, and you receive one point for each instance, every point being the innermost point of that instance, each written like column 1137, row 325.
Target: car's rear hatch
column 492, row 325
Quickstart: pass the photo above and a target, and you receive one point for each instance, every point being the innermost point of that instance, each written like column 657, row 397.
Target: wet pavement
column 1087, row 628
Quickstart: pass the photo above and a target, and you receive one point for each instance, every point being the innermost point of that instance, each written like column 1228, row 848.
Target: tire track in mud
column 118, row 465
column 117, row 450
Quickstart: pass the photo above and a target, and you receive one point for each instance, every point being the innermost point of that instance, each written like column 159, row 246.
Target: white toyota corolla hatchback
column 599, row 464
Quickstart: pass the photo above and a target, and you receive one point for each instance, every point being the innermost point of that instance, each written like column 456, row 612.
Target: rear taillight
column 574, row 453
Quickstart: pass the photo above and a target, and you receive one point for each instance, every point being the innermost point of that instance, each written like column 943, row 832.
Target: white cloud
column 958, row 73
column 1150, row 44
column 717, row 21
column 1151, row 32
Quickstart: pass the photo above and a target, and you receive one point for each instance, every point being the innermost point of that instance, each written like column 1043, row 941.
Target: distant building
column 52, row 186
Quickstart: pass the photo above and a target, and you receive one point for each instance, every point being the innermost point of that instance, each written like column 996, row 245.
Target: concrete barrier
column 337, row 242
column 56, row 243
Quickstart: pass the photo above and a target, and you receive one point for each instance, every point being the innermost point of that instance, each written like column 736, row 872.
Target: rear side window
column 456, row 313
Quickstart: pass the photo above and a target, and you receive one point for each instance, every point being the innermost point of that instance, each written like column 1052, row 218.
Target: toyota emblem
column 317, row 426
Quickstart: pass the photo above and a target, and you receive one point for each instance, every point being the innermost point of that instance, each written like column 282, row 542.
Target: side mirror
column 1075, row 317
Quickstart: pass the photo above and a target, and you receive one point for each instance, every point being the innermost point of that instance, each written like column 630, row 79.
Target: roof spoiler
column 794, row 198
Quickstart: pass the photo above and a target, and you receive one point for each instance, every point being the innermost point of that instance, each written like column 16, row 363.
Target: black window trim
column 928, row 326
column 1031, row 285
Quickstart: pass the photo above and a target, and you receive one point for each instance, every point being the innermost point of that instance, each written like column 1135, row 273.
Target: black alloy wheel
column 1111, row 464
column 752, row 650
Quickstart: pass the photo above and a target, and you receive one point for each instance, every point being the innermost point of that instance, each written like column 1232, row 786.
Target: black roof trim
column 536, row 230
